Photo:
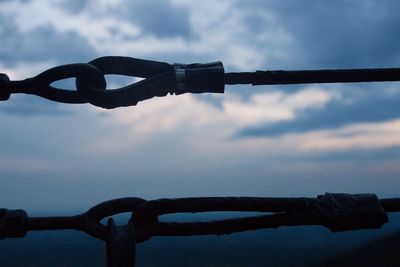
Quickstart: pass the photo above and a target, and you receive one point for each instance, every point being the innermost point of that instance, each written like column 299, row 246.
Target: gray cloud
column 30, row 106
column 160, row 19
column 324, row 34
column 40, row 44
column 362, row 106
column 338, row 33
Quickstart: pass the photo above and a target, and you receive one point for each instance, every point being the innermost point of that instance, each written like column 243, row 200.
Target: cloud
column 31, row 106
column 357, row 136
column 275, row 107
column 38, row 44
column 225, row 36
column 191, row 112
column 275, row 140
column 245, row 35
column 162, row 20
column 23, row 70
column 92, row 29
column 187, row 114
column 337, row 34
column 353, row 105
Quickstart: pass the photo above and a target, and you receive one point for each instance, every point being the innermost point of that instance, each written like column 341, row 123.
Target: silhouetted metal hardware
column 337, row 212
column 162, row 78
column 121, row 245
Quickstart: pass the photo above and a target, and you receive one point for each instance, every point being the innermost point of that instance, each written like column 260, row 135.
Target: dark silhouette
column 337, row 212
column 163, row 78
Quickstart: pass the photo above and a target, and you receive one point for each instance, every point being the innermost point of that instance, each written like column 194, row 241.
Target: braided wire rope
column 162, row 78
column 145, row 215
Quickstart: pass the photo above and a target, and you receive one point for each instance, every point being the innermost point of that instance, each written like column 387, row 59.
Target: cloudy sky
column 256, row 141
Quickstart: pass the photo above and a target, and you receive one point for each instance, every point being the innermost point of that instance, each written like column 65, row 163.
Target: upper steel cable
column 161, row 78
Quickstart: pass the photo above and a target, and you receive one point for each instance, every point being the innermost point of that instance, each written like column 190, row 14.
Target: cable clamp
column 13, row 223
column 199, row 78
column 345, row 212
column 4, row 87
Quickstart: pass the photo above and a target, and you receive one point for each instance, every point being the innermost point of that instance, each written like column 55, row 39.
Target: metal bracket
column 121, row 245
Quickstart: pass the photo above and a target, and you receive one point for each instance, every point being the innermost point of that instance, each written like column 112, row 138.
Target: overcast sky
column 257, row 141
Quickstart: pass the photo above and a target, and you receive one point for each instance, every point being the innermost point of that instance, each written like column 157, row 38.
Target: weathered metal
column 162, row 78
column 337, row 212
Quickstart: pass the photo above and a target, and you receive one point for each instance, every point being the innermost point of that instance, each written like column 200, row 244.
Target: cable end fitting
column 13, row 223
column 346, row 212
column 5, row 91
column 199, row 78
